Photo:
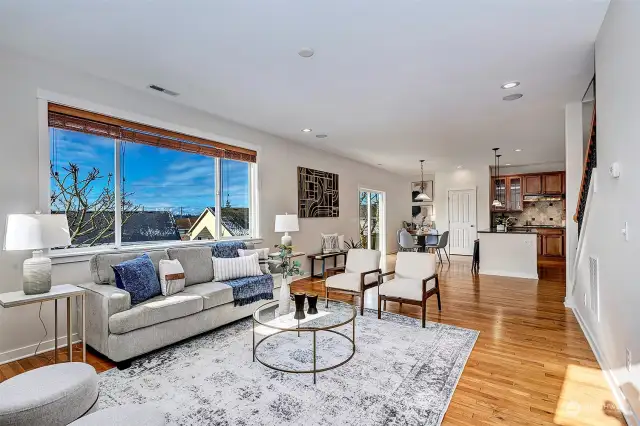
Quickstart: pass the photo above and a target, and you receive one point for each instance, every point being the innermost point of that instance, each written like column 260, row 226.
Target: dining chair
column 406, row 241
column 442, row 245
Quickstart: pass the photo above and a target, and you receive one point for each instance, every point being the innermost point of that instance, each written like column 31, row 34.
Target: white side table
column 64, row 291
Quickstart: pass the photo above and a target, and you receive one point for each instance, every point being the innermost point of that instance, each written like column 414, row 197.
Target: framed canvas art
column 415, row 189
column 318, row 193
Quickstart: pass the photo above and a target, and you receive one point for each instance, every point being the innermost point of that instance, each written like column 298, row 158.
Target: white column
column 574, row 158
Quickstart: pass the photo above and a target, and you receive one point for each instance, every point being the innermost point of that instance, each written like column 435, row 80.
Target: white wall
column 574, row 120
column 616, row 201
column 476, row 178
column 20, row 79
column 552, row 166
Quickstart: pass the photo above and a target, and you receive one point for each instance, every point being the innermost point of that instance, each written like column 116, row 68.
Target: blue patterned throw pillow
column 138, row 277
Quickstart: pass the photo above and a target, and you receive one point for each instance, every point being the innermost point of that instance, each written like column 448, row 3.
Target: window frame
column 44, row 154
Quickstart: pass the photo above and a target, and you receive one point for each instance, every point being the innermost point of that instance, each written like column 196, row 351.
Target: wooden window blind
column 67, row 118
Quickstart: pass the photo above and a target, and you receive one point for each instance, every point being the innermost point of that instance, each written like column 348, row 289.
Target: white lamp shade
column 423, row 197
column 36, row 231
column 286, row 223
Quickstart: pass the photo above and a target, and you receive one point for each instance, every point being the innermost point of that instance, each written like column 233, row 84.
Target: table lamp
column 36, row 232
column 286, row 223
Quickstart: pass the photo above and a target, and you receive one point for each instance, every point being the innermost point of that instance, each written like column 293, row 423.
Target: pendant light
column 422, row 196
column 496, row 201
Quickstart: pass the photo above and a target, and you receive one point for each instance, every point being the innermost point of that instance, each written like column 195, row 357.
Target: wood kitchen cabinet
column 553, row 183
column 539, row 244
column 508, row 190
column 551, row 242
column 533, row 185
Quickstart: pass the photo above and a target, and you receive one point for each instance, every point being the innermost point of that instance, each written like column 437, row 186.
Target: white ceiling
column 391, row 81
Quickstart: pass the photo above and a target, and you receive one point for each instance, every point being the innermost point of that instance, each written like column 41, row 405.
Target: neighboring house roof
column 185, row 223
column 234, row 219
column 140, row 226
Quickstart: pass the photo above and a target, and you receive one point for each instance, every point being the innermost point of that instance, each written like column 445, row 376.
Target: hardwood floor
column 531, row 364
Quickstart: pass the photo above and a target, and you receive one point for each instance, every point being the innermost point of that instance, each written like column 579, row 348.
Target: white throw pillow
column 231, row 268
column 341, row 242
column 172, row 278
column 330, row 243
column 263, row 257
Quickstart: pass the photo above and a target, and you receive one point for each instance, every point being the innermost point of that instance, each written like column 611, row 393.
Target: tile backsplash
column 539, row 213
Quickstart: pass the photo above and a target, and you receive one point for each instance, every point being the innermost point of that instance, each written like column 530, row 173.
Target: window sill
column 83, row 255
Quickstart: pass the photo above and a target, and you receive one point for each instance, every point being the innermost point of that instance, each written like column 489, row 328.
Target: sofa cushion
column 139, row 278
column 155, row 310
column 100, row 264
column 196, row 261
column 213, row 294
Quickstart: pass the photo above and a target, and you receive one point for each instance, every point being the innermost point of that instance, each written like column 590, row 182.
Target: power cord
column 44, row 327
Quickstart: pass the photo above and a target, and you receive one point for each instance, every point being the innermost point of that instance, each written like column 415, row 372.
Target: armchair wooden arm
column 381, row 276
column 364, row 274
column 332, row 271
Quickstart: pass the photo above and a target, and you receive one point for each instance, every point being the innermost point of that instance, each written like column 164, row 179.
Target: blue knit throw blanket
column 251, row 289
column 245, row 290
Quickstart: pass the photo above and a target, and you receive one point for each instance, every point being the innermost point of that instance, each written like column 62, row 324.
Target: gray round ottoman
column 52, row 395
column 124, row 415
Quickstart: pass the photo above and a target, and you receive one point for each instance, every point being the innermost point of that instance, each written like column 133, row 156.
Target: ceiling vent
column 163, row 90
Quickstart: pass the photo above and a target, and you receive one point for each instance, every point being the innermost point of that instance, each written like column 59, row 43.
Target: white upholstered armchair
column 415, row 280
column 360, row 273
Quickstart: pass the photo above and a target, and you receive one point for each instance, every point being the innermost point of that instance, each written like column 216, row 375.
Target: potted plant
column 289, row 268
column 503, row 223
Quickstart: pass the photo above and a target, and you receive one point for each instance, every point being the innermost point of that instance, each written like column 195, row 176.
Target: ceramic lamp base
column 286, row 239
column 36, row 273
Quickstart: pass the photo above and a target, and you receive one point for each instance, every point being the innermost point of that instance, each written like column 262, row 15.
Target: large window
column 120, row 186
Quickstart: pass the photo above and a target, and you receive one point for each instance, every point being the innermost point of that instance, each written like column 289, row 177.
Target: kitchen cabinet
column 553, row 245
column 533, row 185
column 551, row 242
column 539, row 244
column 552, row 183
column 499, row 192
column 514, row 193
column 508, row 190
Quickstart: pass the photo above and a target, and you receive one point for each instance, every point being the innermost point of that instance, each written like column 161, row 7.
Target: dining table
column 422, row 239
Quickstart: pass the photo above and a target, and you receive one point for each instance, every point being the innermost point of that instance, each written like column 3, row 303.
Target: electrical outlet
column 628, row 361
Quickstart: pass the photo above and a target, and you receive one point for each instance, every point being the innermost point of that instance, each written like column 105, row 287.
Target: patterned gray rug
column 400, row 374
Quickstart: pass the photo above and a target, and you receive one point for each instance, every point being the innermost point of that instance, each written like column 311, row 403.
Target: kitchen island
column 509, row 254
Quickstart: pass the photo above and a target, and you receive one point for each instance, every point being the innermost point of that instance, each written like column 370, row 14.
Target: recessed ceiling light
column 306, row 130
column 508, row 164
column 321, row 136
column 512, row 97
column 510, row 85
column 460, row 166
column 306, row 52
column 518, row 150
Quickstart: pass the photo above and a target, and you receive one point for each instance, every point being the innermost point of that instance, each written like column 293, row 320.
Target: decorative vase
column 313, row 302
column 299, row 300
column 285, row 296
column 501, row 228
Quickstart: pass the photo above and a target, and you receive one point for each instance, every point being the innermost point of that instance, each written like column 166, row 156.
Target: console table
column 64, row 291
column 323, row 257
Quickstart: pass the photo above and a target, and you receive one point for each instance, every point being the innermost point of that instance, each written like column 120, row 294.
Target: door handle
column 473, row 226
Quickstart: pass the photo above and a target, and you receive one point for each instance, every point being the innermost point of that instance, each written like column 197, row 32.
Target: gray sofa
column 121, row 331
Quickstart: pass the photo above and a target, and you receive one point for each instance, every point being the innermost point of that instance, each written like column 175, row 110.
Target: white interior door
column 462, row 221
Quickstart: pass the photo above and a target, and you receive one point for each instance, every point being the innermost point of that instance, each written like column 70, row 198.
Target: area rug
column 400, row 374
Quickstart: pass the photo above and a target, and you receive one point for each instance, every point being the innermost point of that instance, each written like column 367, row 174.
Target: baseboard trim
column 509, row 274
column 27, row 351
column 621, row 400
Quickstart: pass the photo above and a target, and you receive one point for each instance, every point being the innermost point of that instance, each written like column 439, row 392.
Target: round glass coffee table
column 328, row 319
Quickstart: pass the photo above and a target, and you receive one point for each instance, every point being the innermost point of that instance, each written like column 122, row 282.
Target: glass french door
column 371, row 218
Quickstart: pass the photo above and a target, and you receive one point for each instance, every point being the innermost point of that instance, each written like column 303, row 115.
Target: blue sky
column 157, row 178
